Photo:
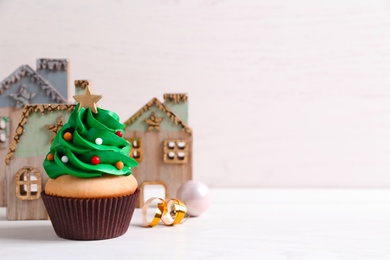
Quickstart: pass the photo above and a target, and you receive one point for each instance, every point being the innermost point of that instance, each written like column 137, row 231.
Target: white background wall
column 282, row 93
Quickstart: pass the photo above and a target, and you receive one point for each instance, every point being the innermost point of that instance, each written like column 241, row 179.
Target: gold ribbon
column 176, row 212
column 170, row 212
column 160, row 211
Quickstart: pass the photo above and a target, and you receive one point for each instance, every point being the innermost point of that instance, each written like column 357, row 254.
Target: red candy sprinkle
column 95, row 160
column 119, row 133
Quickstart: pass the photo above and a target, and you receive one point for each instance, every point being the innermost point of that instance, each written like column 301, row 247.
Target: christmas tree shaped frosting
column 90, row 144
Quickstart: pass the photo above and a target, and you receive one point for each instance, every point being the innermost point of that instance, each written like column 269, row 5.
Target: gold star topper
column 87, row 100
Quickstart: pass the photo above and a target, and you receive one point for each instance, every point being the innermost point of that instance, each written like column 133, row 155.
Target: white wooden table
column 240, row 224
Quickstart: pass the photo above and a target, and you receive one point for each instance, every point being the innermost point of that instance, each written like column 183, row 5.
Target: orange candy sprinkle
column 68, row 136
column 119, row 165
column 50, row 157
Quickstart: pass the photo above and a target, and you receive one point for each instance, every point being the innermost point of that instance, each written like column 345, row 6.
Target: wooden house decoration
column 25, row 176
column 160, row 137
column 162, row 144
column 47, row 84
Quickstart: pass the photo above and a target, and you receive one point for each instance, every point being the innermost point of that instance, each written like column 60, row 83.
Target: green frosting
column 74, row 157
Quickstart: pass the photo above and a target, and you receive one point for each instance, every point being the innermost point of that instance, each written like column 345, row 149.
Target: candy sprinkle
column 68, row 136
column 119, row 165
column 95, row 160
column 98, row 141
column 64, row 159
column 50, row 157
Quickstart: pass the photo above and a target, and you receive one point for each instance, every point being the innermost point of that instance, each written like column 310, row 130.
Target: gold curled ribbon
column 170, row 212
column 160, row 211
column 176, row 212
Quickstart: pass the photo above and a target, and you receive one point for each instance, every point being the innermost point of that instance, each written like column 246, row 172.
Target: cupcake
column 91, row 193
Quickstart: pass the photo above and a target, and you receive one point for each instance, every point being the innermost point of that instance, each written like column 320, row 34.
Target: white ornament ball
column 195, row 195
column 64, row 159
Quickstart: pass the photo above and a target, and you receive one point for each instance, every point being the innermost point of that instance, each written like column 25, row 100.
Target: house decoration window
column 136, row 149
column 175, row 151
column 28, row 183
column 4, row 132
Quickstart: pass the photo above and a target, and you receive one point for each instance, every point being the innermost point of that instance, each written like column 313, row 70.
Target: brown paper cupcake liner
column 90, row 219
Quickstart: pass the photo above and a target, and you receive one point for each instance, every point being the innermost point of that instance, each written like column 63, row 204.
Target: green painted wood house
column 25, row 176
column 162, row 144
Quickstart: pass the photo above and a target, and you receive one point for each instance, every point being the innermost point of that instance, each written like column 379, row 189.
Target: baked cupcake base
column 90, row 219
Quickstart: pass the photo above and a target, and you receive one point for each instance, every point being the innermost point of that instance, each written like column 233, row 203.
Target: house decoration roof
column 27, row 71
column 52, row 64
column 27, row 111
column 155, row 102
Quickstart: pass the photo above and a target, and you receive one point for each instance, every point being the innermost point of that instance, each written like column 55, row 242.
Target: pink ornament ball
column 195, row 195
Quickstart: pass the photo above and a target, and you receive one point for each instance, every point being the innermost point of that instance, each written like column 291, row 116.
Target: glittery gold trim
column 155, row 102
column 176, row 98
column 27, row 111
column 54, row 128
column 82, row 83
column 52, row 64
